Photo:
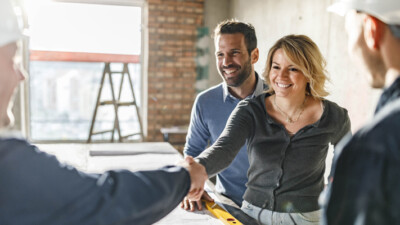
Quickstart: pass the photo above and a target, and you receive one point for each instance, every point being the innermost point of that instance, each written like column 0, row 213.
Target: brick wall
column 172, row 69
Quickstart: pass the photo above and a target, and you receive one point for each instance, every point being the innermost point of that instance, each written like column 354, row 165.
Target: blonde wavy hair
column 306, row 56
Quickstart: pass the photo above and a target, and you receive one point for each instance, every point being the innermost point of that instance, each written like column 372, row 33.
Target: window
column 69, row 43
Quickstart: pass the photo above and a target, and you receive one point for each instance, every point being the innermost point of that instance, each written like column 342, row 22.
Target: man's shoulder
column 214, row 90
column 14, row 151
column 214, row 93
column 387, row 119
column 381, row 134
column 13, row 143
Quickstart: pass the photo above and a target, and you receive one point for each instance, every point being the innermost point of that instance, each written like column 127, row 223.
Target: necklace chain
column 288, row 119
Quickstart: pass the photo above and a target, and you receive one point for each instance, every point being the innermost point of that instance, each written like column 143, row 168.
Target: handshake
column 198, row 177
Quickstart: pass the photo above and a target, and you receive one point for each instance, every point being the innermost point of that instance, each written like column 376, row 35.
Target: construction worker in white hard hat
column 36, row 189
column 366, row 172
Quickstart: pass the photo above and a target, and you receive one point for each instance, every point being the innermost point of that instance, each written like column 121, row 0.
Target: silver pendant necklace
column 288, row 118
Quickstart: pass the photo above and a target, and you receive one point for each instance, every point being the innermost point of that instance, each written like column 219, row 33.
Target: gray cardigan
column 286, row 172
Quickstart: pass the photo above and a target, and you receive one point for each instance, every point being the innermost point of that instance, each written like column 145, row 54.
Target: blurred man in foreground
column 366, row 173
column 37, row 189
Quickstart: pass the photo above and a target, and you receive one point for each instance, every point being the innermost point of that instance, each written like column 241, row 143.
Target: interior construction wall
column 215, row 11
column 273, row 19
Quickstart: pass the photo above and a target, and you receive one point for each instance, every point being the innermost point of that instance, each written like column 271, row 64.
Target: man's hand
column 186, row 204
column 198, row 177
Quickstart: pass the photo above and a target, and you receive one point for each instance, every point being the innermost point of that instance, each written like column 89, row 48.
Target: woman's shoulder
column 333, row 105
column 253, row 106
column 256, row 102
column 334, row 109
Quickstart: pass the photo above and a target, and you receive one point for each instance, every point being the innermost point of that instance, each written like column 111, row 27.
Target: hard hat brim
column 339, row 8
column 389, row 14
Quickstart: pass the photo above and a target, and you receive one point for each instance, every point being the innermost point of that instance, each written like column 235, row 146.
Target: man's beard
column 240, row 78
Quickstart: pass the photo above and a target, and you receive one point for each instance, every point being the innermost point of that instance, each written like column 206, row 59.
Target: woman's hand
column 198, row 177
column 186, row 204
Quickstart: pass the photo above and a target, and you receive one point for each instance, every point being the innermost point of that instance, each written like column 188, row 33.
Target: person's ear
column 254, row 55
column 373, row 32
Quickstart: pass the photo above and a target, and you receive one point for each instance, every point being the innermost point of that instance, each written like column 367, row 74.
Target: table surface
column 174, row 130
column 97, row 158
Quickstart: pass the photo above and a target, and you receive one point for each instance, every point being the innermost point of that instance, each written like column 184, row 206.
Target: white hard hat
column 9, row 29
column 388, row 11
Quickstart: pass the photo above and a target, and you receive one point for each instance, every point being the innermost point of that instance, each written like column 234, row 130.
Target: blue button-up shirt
column 210, row 112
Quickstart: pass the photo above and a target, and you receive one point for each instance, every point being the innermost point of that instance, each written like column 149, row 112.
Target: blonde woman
column 288, row 130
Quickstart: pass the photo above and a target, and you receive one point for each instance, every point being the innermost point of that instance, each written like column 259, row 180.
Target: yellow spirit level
column 221, row 214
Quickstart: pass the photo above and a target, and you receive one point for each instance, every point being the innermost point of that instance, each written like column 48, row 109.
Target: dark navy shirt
column 36, row 189
column 366, row 174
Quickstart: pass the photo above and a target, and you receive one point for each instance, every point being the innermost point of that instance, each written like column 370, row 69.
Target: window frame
column 24, row 115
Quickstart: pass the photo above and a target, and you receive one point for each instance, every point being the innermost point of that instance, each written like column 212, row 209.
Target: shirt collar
column 257, row 91
column 10, row 133
column 389, row 94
